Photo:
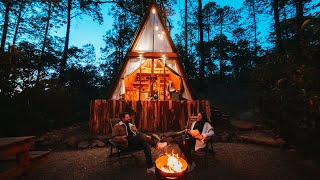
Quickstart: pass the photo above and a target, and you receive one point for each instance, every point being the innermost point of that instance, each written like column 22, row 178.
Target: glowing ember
column 173, row 164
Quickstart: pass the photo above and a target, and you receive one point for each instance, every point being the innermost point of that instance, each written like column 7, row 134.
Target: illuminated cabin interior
column 165, row 84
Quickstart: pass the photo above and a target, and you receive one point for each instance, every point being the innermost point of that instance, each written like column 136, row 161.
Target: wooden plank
column 13, row 145
column 208, row 110
column 153, row 115
column 198, row 106
column 114, row 102
column 177, row 113
column 193, row 105
column 139, row 114
column 189, row 108
column 145, row 113
column 166, row 115
column 106, row 116
column 36, row 155
column 156, row 115
column 11, row 141
column 91, row 117
column 36, row 158
column 99, row 118
column 153, row 54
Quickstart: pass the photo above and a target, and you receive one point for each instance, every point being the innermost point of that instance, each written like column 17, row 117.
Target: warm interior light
column 153, row 10
column 160, row 36
column 157, row 28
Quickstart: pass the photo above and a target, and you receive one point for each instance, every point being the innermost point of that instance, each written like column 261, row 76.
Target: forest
column 272, row 45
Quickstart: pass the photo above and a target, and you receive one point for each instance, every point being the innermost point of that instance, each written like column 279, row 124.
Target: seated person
column 194, row 139
column 127, row 135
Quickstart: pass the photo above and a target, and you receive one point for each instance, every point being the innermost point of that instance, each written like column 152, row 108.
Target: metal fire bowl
column 161, row 161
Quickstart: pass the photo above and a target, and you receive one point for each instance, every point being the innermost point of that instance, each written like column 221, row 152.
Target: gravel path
column 232, row 161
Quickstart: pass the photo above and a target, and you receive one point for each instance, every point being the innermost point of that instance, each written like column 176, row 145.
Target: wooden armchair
column 119, row 151
column 208, row 149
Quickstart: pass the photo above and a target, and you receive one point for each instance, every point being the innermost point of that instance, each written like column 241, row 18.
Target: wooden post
column 140, row 79
column 164, row 77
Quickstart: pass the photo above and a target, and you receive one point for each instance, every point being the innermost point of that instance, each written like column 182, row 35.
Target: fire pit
column 171, row 166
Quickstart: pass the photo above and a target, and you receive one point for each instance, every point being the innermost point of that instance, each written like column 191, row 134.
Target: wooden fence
column 148, row 116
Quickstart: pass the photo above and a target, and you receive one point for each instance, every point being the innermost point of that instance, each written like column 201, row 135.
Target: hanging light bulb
column 153, row 10
column 157, row 28
column 160, row 36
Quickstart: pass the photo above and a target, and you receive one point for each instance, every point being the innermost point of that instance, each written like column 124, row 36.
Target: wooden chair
column 119, row 151
column 209, row 143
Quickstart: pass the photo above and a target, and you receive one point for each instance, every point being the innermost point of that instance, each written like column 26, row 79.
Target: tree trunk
column 299, row 8
column 17, row 27
column 5, row 25
column 44, row 41
column 186, row 60
column 12, row 49
column 210, row 64
column 277, row 25
column 299, row 36
column 255, row 29
column 220, row 47
column 66, row 44
column 202, row 59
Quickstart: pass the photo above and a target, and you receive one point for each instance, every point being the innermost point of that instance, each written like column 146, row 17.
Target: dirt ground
column 232, row 161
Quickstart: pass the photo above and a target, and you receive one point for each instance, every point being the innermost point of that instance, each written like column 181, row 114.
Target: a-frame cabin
column 151, row 84
column 151, row 68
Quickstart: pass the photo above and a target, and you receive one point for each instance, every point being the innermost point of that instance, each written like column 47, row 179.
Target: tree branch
column 120, row 4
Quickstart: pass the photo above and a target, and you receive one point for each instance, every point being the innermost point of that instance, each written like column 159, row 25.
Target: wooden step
column 33, row 155
column 36, row 155
column 36, row 158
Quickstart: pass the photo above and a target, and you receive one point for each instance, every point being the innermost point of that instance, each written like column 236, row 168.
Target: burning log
column 171, row 166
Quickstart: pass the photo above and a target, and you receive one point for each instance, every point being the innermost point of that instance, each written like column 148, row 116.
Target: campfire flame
column 173, row 164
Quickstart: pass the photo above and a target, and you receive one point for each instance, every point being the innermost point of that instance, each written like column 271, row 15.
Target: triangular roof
column 152, row 27
column 152, row 49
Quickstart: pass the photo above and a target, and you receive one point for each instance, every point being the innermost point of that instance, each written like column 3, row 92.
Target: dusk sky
column 85, row 31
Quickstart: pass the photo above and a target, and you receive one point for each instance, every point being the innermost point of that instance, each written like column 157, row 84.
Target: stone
column 83, row 144
column 261, row 138
column 224, row 138
column 243, row 125
column 71, row 141
column 103, row 138
column 46, row 143
column 57, row 137
column 249, row 115
column 310, row 164
column 97, row 143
